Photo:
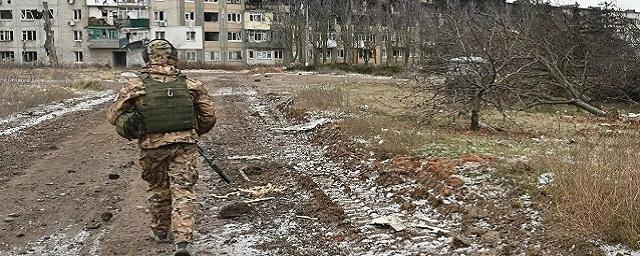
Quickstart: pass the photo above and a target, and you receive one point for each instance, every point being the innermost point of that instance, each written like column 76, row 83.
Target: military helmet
column 159, row 48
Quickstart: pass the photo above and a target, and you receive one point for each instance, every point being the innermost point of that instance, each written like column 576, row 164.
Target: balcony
column 104, row 44
column 133, row 23
column 139, row 3
column 102, row 3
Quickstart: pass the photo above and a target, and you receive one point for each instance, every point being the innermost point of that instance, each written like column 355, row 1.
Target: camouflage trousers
column 171, row 173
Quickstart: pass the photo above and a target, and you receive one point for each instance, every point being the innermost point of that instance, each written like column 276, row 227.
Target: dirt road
column 71, row 186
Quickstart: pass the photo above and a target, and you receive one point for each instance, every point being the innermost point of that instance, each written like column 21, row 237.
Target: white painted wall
column 177, row 35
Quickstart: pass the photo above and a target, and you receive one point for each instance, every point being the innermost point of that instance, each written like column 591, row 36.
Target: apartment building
column 22, row 35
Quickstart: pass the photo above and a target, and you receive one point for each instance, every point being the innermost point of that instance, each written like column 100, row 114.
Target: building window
column 257, row 17
column 213, row 56
column 264, row 55
column 233, row 1
column 212, row 36
column 6, row 15
column 79, row 57
column 234, row 17
column 211, row 17
column 7, row 56
column 235, row 55
column 191, row 35
column 158, row 16
column 29, row 35
column 160, row 34
column 234, row 36
column 77, row 14
column 189, row 16
column 278, row 54
column 328, row 54
column 77, row 35
column 341, row 54
column 191, row 56
column 258, row 35
column 6, row 36
column 34, row 14
column 251, row 55
column 210, row 1
column 29, row 56
column 103, row 33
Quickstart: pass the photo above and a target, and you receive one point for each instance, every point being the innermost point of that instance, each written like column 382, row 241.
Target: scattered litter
column 252, row 157
column 304, row 127
column 226, row 196
column 306, row 217
column 392, row 221
column 259, row 200
column 244, row 175
column 261, row 191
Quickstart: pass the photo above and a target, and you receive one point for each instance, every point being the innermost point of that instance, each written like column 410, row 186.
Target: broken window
column 79, row 57
column 258, row 35
column 7, row 56
column 189, row 16
column 29, row 56
column 6, row 15
column 214, row 56
column 212, row 36
column 257, row 17
column 235, row 55
column 278, row 54
column 191, row 35
column 210, row 16
column 34, row 14
column 234, row 36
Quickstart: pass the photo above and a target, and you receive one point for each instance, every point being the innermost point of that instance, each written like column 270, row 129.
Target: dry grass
column 384, row 134
column 15, row 98
column 320, row 99
column 25, row 88
column 597, row 189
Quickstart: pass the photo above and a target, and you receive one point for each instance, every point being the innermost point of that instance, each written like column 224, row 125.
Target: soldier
column 166, row 112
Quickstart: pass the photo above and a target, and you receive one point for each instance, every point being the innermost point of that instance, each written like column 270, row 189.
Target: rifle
column 214, row 166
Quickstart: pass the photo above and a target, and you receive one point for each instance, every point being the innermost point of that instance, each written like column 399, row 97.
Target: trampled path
column 59, row 179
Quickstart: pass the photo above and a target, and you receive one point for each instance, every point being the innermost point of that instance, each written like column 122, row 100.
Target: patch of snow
column 51, row 111
column 545, row 179
column 232, row 91
column 54, row 245
column 616, row 250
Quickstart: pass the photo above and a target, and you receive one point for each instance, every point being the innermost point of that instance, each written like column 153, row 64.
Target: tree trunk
column 475, row 112
column 49, row 41
column 589, row 108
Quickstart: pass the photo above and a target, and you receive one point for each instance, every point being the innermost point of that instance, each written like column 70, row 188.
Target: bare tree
column 49, row 45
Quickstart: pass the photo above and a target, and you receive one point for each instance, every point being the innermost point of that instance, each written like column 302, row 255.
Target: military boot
column 160, row 236
column 184, row 249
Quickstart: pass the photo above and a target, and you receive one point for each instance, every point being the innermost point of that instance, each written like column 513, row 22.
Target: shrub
column 597, row 189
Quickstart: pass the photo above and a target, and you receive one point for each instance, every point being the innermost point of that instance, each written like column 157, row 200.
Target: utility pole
column 49, row 41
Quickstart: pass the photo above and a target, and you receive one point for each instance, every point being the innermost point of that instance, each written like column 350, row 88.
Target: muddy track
column 59, row 181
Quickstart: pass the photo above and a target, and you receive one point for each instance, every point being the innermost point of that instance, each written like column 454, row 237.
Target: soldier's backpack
column 168, row 107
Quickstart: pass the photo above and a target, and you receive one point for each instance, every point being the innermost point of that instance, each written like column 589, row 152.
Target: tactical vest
column 168, row 107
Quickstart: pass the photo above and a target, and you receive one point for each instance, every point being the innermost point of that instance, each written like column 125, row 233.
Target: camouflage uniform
column 168, row 160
